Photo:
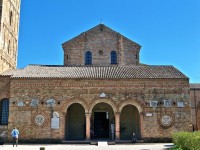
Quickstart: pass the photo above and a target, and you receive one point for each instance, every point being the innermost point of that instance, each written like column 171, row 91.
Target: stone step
column 102, row 143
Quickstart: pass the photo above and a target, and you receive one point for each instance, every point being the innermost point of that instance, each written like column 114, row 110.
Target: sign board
column 20, row 104
column 149, row 114
column 55, row 123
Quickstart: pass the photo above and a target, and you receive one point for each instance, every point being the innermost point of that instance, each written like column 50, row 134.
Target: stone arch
column 4, row 111
column 130, row 102
column 103, row 101
column 76, row 101
column 140, row 110
column 75, row 122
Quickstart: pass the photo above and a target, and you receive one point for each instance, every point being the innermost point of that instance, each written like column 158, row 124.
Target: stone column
column 63, row 117
column 64, row 126
column 117, row 126
column 88, row 116
column 141, row 117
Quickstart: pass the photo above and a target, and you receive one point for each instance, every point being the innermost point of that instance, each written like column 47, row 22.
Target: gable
column 101, row 41
column 97, row 30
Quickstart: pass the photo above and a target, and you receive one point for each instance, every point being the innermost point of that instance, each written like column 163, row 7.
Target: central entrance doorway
column 101, row 125
column 102, row 122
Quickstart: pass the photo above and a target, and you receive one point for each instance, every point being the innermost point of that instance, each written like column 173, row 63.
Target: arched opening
column 11, row 18
column 4, row 111
column 102, row 122
column 9, row 47
column 88, row 58
column 75, row 122
column 113, row 57
column 129, row 122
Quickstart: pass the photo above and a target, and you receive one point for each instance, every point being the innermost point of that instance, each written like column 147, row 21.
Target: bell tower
column 9, row 30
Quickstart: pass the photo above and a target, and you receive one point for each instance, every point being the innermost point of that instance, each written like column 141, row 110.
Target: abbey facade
column 102, row 91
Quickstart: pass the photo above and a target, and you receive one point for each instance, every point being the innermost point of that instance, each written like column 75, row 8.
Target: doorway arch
column 102, row 121
column 75, row 122
column 129, row 122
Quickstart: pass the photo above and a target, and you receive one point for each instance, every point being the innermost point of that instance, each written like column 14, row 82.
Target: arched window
column 8, row 46
column 136, row 56
column 4, row 111
column 11, row 18
column 88, row 58
column 113, row 56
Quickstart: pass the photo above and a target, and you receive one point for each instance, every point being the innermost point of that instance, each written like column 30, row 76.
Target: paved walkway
column 144, row 146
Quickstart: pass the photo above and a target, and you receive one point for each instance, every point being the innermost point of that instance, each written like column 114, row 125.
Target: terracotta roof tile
column 195, row 86
column 46, row 71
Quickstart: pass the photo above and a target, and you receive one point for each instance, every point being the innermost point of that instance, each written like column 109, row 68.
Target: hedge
column 186, row 140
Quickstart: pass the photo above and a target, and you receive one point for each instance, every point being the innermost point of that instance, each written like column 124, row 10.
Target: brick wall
column 86, row 92
column 4, row 93
column 96, row 39
column 195, row 107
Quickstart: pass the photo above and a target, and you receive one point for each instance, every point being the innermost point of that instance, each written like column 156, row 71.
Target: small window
column 11, row 17
column 100, row 52
column 113, row 56
column 88, row 58
column 9, row 47
column 4, row 111
column 136, row 56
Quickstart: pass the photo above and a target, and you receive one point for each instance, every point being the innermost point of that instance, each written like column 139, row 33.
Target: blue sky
column 167, row 30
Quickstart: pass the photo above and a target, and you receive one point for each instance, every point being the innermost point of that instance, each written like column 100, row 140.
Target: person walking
column 15, row 136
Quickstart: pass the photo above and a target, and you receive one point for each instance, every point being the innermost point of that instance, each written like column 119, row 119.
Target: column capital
column 64, row 113
column 87, row 114
column 117, row 114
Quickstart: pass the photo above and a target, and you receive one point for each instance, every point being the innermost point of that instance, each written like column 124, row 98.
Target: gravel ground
column 155, row 146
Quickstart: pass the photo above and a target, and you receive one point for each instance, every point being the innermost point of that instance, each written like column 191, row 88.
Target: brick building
column 9, row 29
column 195, row 105
column 101, row 91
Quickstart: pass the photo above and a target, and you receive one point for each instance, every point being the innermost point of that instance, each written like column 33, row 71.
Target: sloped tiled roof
column 195, row 86
column 98, row 26
column 125, row 72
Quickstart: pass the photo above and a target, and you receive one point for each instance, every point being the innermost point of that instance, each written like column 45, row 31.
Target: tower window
column 136, row 56
column 4, row 111
column 11, row 18
column 8, row 46
column 88, row 58
column 113, row 56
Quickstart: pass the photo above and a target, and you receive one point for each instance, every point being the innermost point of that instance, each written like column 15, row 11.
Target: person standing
column 15, row 135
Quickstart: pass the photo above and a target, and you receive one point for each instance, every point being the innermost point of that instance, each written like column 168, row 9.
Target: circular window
column 100, row 52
